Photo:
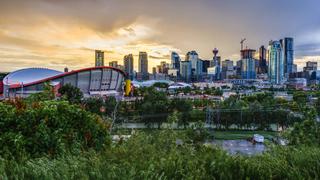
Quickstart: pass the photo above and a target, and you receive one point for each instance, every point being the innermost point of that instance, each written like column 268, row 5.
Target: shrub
column 49, row 128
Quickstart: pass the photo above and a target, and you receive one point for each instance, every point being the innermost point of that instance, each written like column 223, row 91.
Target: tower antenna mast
column 241, row 42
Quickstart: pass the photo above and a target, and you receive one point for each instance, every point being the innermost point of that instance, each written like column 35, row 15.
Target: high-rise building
column 186, row 70
column 99, row 58
column 276, row 63
column 205, row 66
column 310, row 66
column 175, row 60
column 128, row 65
column 227, row 69
column 164, row 67
column 113, row 64
column 143, row 65
column 238, row 68
column 193, row 57
column 196, row 64
column 248, row 64
column 263, row 68
column 294, row 68
column 288, row 55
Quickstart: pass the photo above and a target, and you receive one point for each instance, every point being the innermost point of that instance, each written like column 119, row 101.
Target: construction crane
column 241, row 42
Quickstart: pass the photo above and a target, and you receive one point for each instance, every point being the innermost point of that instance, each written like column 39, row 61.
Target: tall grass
column 156, row 157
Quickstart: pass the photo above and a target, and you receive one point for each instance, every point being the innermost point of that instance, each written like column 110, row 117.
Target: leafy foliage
column 100, row 106
column 161, row 85
column 48, row 128
column 71, row 93
column 154, row 107
column 46, row 94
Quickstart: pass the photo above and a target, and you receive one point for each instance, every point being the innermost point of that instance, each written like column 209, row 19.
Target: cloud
column 59, row 33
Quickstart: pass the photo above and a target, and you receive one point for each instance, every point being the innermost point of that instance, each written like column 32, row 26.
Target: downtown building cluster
column 273, row 64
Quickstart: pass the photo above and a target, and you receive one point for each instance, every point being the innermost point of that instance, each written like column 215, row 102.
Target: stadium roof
column 31, row 76
column 28, row 75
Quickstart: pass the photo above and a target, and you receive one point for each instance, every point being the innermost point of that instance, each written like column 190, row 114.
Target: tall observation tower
column 215, row 52
column 215, row 62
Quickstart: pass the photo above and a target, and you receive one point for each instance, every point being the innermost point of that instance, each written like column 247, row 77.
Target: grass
column 233, row 134
column 218, row 134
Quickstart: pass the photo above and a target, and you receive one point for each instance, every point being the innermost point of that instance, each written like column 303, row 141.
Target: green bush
column 48, row 128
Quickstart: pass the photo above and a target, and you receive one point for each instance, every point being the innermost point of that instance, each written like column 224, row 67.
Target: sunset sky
column 60, row 33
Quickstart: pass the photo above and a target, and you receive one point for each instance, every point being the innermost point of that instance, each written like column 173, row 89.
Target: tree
column 71, row 93
column 318, row 105
column 305, row 133
column 46, row 94
column 184, row 107
column 100, row 105
column 94, row 105
column 300, row 97
column 154, row 108
column 173, row 118
column 161, row 85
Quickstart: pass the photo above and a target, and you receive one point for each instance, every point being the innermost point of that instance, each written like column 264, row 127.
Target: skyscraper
column 196, row 64
column 186, row 70
column 263, row 68
column 175, row 60
column 128, row 65
column 205, row 66
column 143, row 65
column 248, row 64
column 276, row 64
column 99, row 58
column 288, row 53
column 193, row 57
column 227, row 69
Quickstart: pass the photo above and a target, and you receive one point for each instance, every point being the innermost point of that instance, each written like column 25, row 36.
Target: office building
column 205, row 66
column 310, row 66
column 315, row 77
column 294, row 68
column 113, row 64
column 227, row 69
column 248, row 64
column 196, row 65
column 164, row 67
column 175, row 60
column 99, row 58
column 143, row 65
column 186, row 70
column 288, row 58
column 193, row 57
column 276, row 63
column 263, row 68
column 128, row 65
column 238, row 68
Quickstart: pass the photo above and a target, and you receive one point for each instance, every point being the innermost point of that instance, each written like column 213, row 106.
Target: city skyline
column 56, row 34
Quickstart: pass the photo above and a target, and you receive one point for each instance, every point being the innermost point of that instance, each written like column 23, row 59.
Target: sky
column 64, row 33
